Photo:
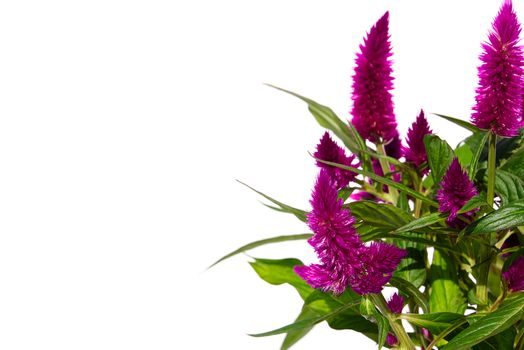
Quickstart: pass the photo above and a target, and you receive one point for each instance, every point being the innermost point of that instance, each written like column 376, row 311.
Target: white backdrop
column 123, row 126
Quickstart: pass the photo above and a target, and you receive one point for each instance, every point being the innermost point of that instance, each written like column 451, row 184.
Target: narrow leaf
column 293, row 336
column 445, row 293
column 472, row 169
column 300, row 214
column 509, row 216
column 262, row 242
column 466, row 125
column 435, row 322
column 422, row 222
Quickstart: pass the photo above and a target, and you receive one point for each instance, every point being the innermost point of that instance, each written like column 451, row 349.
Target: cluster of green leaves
column 440, row 291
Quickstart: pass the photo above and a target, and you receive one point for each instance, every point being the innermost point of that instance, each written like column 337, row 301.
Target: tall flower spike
column 499, row 95
column 415, row 152
column 335, row 240
column 373, row 115
column 456, row 189
column 514, row 276
column 329, row 151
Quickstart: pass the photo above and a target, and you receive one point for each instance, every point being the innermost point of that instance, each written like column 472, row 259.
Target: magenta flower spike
column 373, row 115
column 514, row 276
column 415, row 152
column 499, row 94
column 329, row 151
column 335, row 240
column 456, row 189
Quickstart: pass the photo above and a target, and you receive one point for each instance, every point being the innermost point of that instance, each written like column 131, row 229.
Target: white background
column 123, row 126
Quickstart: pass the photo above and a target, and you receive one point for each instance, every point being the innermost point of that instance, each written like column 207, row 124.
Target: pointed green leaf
column 300, row 214
column 474, row 203
column 509, row 187
column 421, row 222
column 509, row 216
column 488, row 326
column 412, row 291
column 477, row 151
column 440, row 155
column 435, row 322
column 293, row 336
column 262, row 242
column 459, row 122
column 412, row 268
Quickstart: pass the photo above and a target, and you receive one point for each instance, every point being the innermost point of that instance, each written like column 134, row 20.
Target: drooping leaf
column 490, row 325
column 326, row 118
column 445, row 294
column 262, row 242
column 435, row 322
column 440, row 155
column 466, row 125
column 300, row 214
column 281, row 271
column 515, row 163
column 511, row 215
column 293, row 336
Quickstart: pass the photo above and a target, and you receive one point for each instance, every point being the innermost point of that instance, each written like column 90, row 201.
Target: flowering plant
column 441, row 226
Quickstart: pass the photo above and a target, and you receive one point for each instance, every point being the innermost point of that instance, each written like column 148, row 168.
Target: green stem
column 492, row 157
column 485, row 251
column 418, row 202
column 384, row 164
column 394, row 322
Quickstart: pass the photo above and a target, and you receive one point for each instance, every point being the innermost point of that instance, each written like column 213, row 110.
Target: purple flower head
column 373, row 115
column 335, row 240
column 396, row 303
column 329, row 151
column 415, row 152
column 456, row 189
column 514, row 276
column 363, row 196
column 391, row 340
column 377, row 262
column 499, row 94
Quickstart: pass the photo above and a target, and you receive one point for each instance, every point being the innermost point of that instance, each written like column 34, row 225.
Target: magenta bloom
column 456, row 189
column 396, row 303
column 394, row 147
column 373, row 115
column 514, row 276
column 329, row 151
column 335, row 240
column 377, row 263
column 499, row 95
column 344, row 259
column 415, row 152
column 391, row 340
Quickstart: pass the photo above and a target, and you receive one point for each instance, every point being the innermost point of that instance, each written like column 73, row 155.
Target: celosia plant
column 440, row 226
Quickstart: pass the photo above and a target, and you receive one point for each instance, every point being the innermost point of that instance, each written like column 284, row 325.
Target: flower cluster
column 345, row 260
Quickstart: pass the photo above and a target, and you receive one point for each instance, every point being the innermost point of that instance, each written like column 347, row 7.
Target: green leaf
column 293, row 336
column 379, row 216
column 421, row 222
column 262, row 242
column 300, row 214
column 384, row 181
column 509, row 187
column 412, row 291
column 435, row 322
column 445, row 294
column 326, row 118
column 488, row 326
column 306, row 323
column 501, row 341
column 440, row 155
column 506, row 217
column 459, row 122
column 281, row 271
column 474, row 203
